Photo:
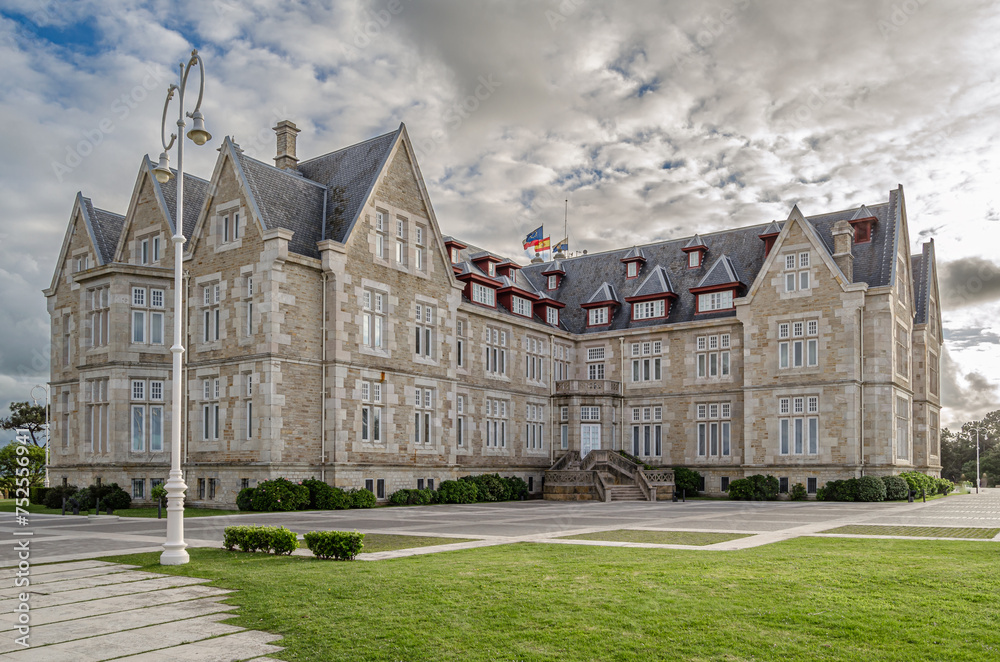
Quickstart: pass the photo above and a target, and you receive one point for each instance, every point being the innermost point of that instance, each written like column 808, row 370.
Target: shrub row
column 412, row 497
column 884, row 488
column 109, row 495
column 36, row 495
column 686, row 479
column 271, row 539
column 339, row 545
column 467, row 489
column 754, row 488
column 280, row 494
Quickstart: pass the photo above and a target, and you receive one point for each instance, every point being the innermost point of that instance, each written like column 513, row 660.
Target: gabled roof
column 195, row 192
column 921, row 267
column 553, row 267
column 862, row 213
column 106, row 228
column 634, row 254
column 722, row 272
column 605, row 293
column 773, row 229
column 657, row 282
column 696, row 242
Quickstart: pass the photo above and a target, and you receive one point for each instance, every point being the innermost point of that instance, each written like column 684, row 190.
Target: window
column 248, row 404
column 631, row 269
column 715, row 301
column 97, row 426
column 380, row 488
column 139, row 488
column 210, row 295
column 553, row 282
column 236, row 225
column 460, row 420
column 798, row 425
column 803, row 280
column 598, row 316
column 902, row 350
column 460, row 342
column 496, row 352
column 714, row 429
column 561, row 362
column 902, row 428
column 424, row 331
column 82, row 263
column 645, row 310
column 372, row 318
column 146, row 420
column 798, row 352
column 370, row 485
column 552, row 315
column 491, row 269
column 212, row 484
column 934, row 435
column 248, row 307
column 647, row 439
column 789, row 262
column 564, row 413
column 147, row 316
column 496, row 423
column 225, row 228
column 790, row 282
column 99, row 316
column 201, row 488
column 590, row 413
column 401, row 242
column 380, row 223
column 595, row 353
column 534, row 427
column 534, row 359
column 419, row 256
column 564, row 436
column 144, row 251
column 646, row 368
column 454, row 255
column 484, row 295
column 933, row 369
column 210, row 422
column 371, row 412
column 712, row 359
column 810, row 485
column 520, row 306
column 803, row 260
column 694, row 259
column 423, row 404
column 595, row 371
column 783, row 485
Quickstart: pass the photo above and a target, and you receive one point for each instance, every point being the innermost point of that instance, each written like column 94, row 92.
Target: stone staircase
column 604, row 475
column 625, row 493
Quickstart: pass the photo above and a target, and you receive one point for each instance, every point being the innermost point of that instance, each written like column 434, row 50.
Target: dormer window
column 694, row 259
column 552, row 315
column 862, row 233
column 553, row 282
column 715, row 301
column 454, row 255
column 520, row 306
column 632, row 270
column 647, row 310
column 862, row 223
column 695, row 250
column 484, row 295
column 491, row 269
column 598, row 316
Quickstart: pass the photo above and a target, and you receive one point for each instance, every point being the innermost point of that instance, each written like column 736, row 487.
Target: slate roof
column 920, row 267
column 634, row 254
column 604, row 292
column 695, row 242
column 657, row 282
column 721, row 272
column 107, row 227
column 195, row 190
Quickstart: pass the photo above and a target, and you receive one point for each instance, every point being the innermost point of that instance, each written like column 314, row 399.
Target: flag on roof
column 563, row 246
column 543, row 245
column 533, row 238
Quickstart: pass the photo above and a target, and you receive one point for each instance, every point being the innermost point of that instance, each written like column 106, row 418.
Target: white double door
column 590, row 438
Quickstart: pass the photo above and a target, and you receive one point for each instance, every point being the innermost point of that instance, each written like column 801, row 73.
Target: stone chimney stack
column 285, row 132
column 843, row 240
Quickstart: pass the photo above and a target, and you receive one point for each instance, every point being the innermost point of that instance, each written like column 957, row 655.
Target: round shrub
column 279, row 494
column 54, row 497
column 741, row 489
column 754, row 488
column 830, row 490
column 798, row 492
column 517, row 487
column 895, row 488
column 84, row 497
column 458, row 491
column 491, row 487
column 244, row 500
column 870, row 488
column 325, row 497
column 944, row 486
column 688, row 480
column 340, row 545
column 847, row 490
column 116, row 498
column 362, row 498
column 821, row 494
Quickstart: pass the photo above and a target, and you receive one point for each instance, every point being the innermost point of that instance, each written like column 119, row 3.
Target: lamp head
column 162, row 171
column 198, row 133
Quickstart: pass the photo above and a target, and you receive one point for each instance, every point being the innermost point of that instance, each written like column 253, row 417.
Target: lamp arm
column 163, row 122
column 195, row 57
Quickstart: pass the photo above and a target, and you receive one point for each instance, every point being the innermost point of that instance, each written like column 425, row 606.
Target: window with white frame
column 646, row 360
column 424, row 330
column 381, row 220
column 902, row 350
column 146, row 422
column 455, row 255
column 423, row 403
column 248, row 327
column 710, row 301
column 401, row 249
column 564, row 436
column 598, row 316
column 564, row 413
column 902, row 428
column 520, row 306
column 210, row 420
column 249, row 422
column 562, row 361
column 139, row 488
column 147, row 316
column 534, row 359
column 496, row 423
column 460, row 341
column 534, row 427
column 99, row 315
column 712, row 356
column 483, row 295
column 460, row 420
column 373, row 318
column 552, row 315
column 210, row 295
column 82, row 263
column 631, row 269
column 495, row 351
column 420, row 256
column 371, row 412
column 647, row 434
column 590, row 413
column 97, row 426
column 798, row 345
column 798, row 425
column 553, row 281
column 694, row 259
column 149, row 250
column 645, row 310
column 226, row 229
column 714, row 429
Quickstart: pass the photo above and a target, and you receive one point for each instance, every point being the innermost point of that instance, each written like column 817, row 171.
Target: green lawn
column 386, row 542
column 803, row 599
column 924, row 531
column 7, row 506
column 698, row 538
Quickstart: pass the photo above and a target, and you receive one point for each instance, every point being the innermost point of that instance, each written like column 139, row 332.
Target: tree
column 958, row 449
column 989, row 464
column 25, row 416
column 9, row 464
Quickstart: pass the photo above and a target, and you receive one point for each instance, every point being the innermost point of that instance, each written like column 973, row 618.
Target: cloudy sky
column 655, row 120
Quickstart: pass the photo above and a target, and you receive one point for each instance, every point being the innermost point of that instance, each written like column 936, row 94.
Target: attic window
column 454, row 255
column 646, row 310
column 520, row 306
column 694, row 259
column 862, row 233
column 632, row 269
column 711, row 301
column 552, row 315
column 553, row 282
column 598, row 316
column 492, row 269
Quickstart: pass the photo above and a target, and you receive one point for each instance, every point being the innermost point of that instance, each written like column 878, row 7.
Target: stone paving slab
column 67, row 567
column 231, row 648
column 77, row 574
column 86, row 594
column 59, row 586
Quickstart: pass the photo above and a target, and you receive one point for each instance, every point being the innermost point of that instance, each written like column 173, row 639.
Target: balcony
column 588, row 387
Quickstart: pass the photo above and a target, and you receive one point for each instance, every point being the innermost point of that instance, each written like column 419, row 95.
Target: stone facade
column 360, row 361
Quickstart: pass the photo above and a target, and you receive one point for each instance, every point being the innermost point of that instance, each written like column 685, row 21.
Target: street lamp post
column 174, row 549
column 48, row 426
column 977, row 458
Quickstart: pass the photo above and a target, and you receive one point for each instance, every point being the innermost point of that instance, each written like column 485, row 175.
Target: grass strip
column 696, row 538
column 967, row 532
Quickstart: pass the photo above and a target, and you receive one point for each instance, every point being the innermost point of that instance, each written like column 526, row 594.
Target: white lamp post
column 174, row 549
column 45, row 390
column 977, row 458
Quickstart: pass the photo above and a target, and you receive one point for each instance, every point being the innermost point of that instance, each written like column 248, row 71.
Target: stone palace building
column 333, row 331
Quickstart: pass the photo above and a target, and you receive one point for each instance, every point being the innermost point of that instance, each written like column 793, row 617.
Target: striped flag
column 531, row 241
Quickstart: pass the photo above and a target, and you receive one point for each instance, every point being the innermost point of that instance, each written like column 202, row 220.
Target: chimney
column 285, row 131
column 843, row 240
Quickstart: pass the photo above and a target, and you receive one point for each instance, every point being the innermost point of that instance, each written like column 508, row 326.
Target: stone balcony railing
column 588, row 387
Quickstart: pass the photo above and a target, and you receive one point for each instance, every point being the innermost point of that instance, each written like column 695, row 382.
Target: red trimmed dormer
column 695, row 250
column 454, row 248
column 718, row 289
column 478, row 288
column 507, row 268
column 652, row 299
column 549, row 310
column 633, row 262
column 863, row 223
column 486, row 262
column 554, row 275
column 601, row 307
column 518, row 301
column 768, row 236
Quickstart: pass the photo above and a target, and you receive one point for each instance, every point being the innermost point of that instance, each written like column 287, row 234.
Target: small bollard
column 110, row 510
column 64, row 505
column 159, row 509
column 97, row 506
column 923, row 492
column 910, row 496
column 674, row 497
column 684, row 495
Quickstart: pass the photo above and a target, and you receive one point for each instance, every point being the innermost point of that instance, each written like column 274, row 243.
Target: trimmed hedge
column 325, row 497
column 279, row 494
column 413, row 497
column 36, row 495
column 54, row 497
column 340, row 545
column 895, row 488
column 272, row 539
column 798, row 492
column 870, row 488
column 688, row 480
column 754, row 488
column 458, row 491
column 919, row 482
column 361, row 498
column 491, row 487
